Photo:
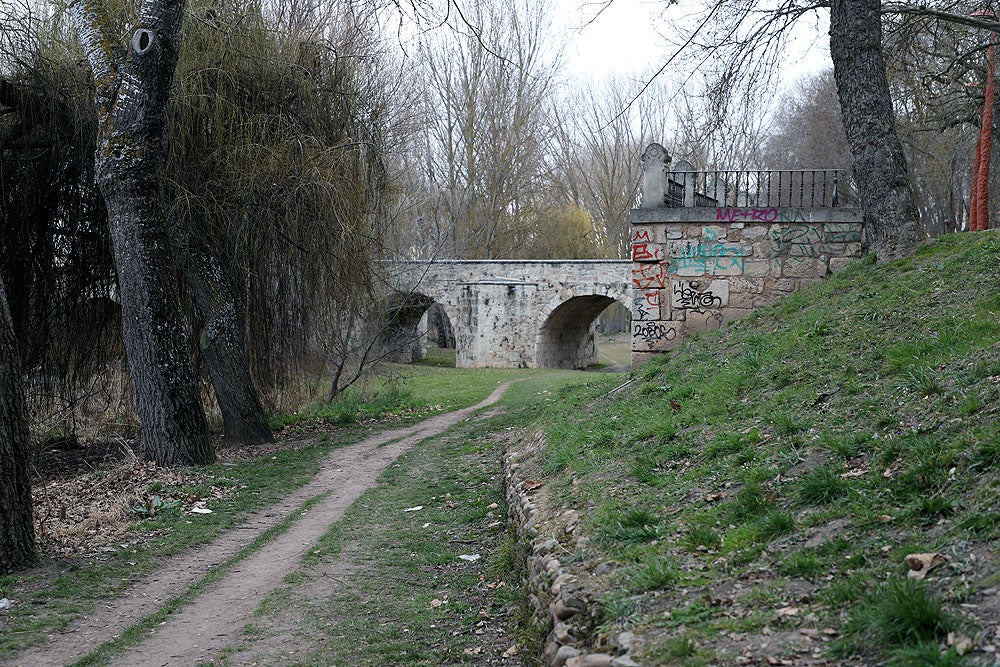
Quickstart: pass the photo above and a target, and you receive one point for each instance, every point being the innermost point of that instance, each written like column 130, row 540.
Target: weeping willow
column 276, row 165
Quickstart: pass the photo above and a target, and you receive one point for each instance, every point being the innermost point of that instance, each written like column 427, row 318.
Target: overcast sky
column 623, row 38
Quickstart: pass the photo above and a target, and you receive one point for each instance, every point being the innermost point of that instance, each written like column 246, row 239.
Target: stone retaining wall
column 695, row 269
column 560, row 600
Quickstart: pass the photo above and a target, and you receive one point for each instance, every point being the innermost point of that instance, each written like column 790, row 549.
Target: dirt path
column 203, row 628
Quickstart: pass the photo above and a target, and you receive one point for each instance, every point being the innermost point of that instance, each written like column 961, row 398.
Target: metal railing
column 793, row 188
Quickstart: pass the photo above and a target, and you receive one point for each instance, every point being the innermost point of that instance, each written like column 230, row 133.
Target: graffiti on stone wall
column 650, row 276
column 652, row 334
column 642, row 236
column 746, row 214
column 647, row 252
column 686, row 295
column 708, row 257
column 646, row 306
column 700, row 303
column 796, row 241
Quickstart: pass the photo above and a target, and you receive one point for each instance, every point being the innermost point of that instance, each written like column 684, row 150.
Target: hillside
column 752, row 498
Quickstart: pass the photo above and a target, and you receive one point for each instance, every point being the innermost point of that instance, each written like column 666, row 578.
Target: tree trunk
column 131, row 96
column 223, row 347
column 891, row 214
column 17, row 533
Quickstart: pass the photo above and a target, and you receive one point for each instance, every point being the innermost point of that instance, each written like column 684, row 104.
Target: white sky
column 623, row 39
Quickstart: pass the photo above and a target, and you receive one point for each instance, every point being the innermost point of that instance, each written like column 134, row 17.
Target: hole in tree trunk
column 142, row 41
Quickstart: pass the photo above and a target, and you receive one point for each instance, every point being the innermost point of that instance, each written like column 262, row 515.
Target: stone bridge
column 507, row 313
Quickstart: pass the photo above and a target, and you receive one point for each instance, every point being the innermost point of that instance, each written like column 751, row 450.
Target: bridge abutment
column 707, row 255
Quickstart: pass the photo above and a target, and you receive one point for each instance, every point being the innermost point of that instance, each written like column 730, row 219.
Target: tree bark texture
column 223, row 347
column 17, row 533
column 132, row 88
column 891, row 215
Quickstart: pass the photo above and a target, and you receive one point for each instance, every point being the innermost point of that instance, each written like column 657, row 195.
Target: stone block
column 733, row 267
column 647, row 234
column 673, row 235
column 754, row 233
column 688, row 269
column 737, row 225
column 841, row 232
column 646, row 252
column 839, row 263
column 844, row 249
column 650, row 276
column 646, row 305
column 698, row 322
column 741, row 300
column 750, row 285
column 786, row 285
column 697, row 295
column 654, row 336
column 691, row 249
column 757, row 268
column 802, row 267
column 713, row 233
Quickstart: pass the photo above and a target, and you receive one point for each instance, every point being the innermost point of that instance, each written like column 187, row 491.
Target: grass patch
column 899, row 613
column 800, row 443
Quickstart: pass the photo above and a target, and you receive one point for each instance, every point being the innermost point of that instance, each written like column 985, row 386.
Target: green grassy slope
column 759, row 489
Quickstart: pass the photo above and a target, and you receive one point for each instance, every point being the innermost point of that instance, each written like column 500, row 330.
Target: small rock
column 563, row 609
column 545, row 547
column 559, row 582
column 626, row 640
column 596, row 660
column 562, row 633
column 564, row 654
column 624, row 661
column 604, row 568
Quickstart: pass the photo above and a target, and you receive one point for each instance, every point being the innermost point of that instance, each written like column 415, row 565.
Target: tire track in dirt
column 203, row 628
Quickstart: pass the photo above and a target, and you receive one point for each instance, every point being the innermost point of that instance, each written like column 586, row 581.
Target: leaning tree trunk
column 891, row 214
column 131, row 92
column 223, row 347
column 17, row 533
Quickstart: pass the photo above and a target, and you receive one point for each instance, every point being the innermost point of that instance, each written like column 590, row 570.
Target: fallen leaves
column 920, row 564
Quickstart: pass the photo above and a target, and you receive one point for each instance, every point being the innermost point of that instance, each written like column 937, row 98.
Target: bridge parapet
column 698, row 267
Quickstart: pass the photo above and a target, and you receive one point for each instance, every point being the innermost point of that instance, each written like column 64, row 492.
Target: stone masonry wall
column 695, row 269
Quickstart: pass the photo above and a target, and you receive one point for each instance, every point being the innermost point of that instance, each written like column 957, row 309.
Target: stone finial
column 655, row 164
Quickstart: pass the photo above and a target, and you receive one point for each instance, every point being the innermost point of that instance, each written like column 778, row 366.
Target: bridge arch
column 567, row 335
column 402, row 338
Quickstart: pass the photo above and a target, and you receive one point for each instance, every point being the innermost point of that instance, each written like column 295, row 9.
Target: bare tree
column 487, row 138
column 598, row 151
column 807, row 130
column 132, row 88
column 740, row 43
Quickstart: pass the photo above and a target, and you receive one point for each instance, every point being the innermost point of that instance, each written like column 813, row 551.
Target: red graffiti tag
column 642, row 235
column 646, row 252
column 651, row 276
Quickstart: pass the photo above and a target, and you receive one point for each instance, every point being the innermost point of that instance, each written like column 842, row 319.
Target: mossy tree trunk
column 132, row 87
